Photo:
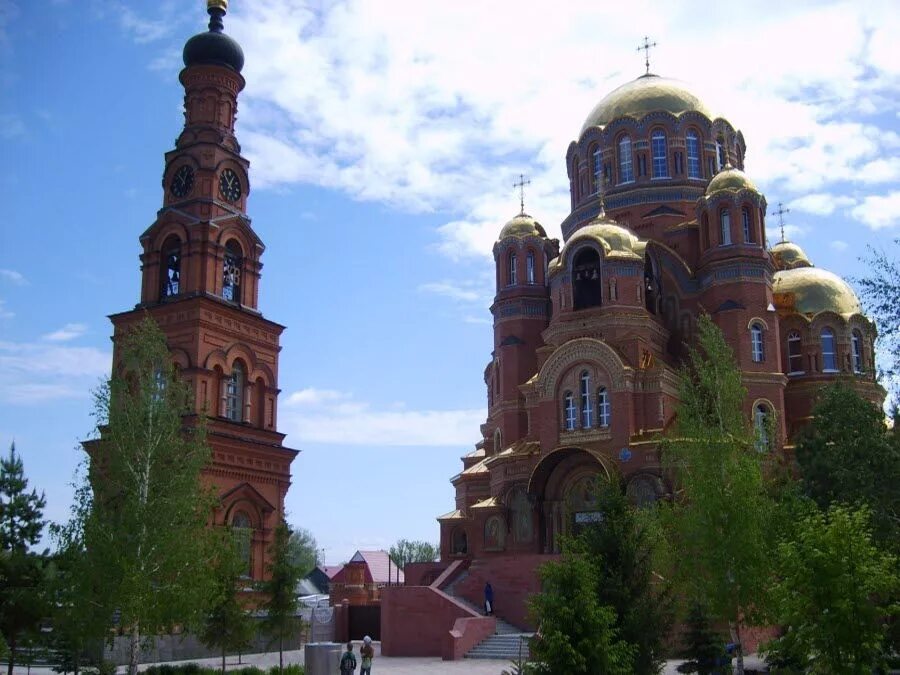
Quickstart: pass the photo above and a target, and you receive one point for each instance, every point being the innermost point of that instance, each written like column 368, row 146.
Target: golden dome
column 810, row 290
column 648, row 93
column 730, row 178
column 616, row 241
column 521, row 226
column 787, row 256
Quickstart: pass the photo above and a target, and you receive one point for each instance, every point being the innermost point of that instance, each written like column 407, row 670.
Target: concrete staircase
column 504, row 644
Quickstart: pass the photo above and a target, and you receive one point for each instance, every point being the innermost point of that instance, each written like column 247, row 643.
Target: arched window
column 234, row 393
column 626, row 167
column 856, row 351
column 725, row 219
column 511, row 270
column 658, row 150
column 587, row 411
column 569, row 411
column 829, row 358
column 529, row 267
column 720, row 153
column 242, row 530
column 460, row 542
column 170, row 274
column 576, row 180
column 231, row 271
column 587, row 285
column 757, row 346
column 651, row 285
column 597, row 169
column 795, row 352
column 521, row 515
column 498, row 442
column 747, row 225
column 603, row 408
column 761, row 424
column 692, row 140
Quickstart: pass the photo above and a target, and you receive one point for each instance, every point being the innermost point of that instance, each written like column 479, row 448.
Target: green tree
column 704, row 647
column 281, row 592
column 622, row 549
column 848, row 455
column 880, row 293
column 302, row 549
column 833, row 592
column 144, row 519
column 22, row 601
column 723, row 508
column 228, row 626
column 577, row 635
column 405, row 551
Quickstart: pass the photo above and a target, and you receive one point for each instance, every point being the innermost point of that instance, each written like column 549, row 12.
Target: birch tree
column 145, row 524
column 722, row 508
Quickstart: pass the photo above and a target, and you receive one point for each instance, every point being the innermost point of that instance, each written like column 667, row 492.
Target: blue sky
column 384, row 140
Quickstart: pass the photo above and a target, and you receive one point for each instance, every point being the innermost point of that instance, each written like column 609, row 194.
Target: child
column 348, row 660
column 367, row 652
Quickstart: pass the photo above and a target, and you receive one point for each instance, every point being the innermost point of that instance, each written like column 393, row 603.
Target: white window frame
column 746, row 222
column 829, row 357
column 794, row 338
column 626, row 160
column 603, row 407
column 511, row 271
column 529, row 267
column 760, row 418
column 725, row 227
column 587, row 410
column 571, row 413
column 658, row 152
column 692, row 141
column 597, row 166
column 856, row 351
column 234, row 394
column 757, row 343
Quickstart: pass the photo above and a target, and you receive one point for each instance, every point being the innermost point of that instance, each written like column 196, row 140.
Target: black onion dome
column 214, row 47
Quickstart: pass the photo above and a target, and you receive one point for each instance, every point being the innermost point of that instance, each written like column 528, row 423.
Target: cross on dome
column 780, row 213
column 521, row 183
column 646, row 47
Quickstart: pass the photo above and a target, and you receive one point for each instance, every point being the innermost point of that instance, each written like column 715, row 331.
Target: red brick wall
column 416, row 620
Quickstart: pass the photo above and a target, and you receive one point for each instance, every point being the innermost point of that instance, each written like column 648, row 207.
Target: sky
column 384, row 139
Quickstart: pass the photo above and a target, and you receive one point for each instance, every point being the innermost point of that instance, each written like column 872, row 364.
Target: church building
column 200, row 282
column 589, row 332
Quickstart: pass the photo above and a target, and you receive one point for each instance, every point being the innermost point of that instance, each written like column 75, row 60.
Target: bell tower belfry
column 200, row 267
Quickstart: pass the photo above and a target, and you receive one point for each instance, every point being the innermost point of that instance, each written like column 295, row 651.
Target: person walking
column 367, row 652
column 488, row 599
column 348, row 661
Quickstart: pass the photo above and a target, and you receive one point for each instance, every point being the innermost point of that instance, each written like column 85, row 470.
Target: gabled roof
column 380, row 569
column 331, row 570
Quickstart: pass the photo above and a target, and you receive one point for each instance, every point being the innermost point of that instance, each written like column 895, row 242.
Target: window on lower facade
column 569, row 411
column 587, row 410
column 603, row 407
column 829, row 357
column 761, row 424
column 242, row 531
column 756, row 343
column 795, row 353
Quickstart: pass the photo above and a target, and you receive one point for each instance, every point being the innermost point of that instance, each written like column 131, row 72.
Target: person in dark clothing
column 488, row 599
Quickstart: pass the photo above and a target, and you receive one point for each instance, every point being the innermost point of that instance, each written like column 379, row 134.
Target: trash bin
column 322, row 658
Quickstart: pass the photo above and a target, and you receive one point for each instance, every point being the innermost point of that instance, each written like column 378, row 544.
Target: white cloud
column 68, row 332
column 14, row 277
column 839, row 245
column 879, row 211
column 5, row 313
column 462, row 291
column 821, row 203
column 31, row 373
column 332, row 417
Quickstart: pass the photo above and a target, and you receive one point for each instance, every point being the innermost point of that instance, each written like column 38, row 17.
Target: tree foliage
column 22, row 600
column 280, row 589
column 833, row 592
column 576, row 634
column 880, row 293
column 722, row 510
column 704, row 646
column 405, row 551
column 143, row 515
column 227, row 625
column 622, row 549
column 848, row 455
column 302, row 549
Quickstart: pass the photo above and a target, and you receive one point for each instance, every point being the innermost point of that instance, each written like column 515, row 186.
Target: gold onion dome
column 810, row 290
column 730, row 178
column 521, row 226
column 648, row 93
column 787, row 256
column 615, row 240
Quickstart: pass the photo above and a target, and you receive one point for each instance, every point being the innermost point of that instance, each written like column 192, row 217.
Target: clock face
column 230, row 185
column 182, row 182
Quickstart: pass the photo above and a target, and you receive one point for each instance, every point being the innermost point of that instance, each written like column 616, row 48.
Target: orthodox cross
column 646, row 47
column 521, row 185
column 780, row 213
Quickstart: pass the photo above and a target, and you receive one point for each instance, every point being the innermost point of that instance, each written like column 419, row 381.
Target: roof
column 381, row 569
column 331, row 570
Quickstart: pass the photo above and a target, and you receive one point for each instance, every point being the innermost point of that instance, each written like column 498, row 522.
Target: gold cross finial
column 646, row 47
column 217, row 4
column 521, row 183
column 780, row 213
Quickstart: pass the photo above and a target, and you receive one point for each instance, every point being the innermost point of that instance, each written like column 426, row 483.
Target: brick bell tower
column 200, row 282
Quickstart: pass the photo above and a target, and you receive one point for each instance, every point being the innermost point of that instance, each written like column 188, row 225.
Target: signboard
column 588, row 517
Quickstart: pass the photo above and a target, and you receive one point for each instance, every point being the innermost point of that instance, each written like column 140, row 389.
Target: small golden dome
column 730, row 178
column 522, row 226
column 810, row 290
column 648, row 93
column 616, row 241
column 787, row 256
